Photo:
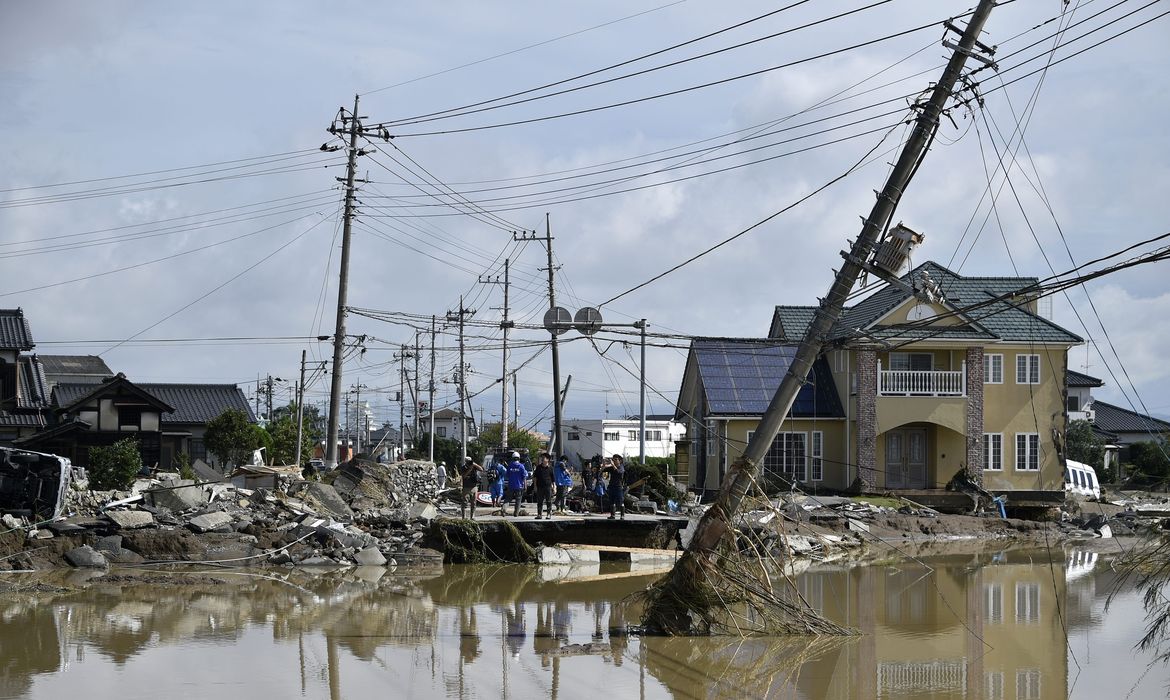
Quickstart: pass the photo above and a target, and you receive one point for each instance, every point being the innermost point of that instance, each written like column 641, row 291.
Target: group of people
column 509, row 482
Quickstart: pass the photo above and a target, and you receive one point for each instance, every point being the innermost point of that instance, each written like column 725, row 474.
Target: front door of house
column 906, row 458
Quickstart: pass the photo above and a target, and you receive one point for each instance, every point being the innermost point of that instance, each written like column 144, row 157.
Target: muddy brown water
column 959, row 626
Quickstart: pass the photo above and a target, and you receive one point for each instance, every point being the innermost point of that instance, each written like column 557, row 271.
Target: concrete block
column 86, row 557
column 130, row 519
column 554, row 555
column 209, row 521
column 584, row 556
column 370, row 556
column 327, row 500
column 184, row 498
column 423, row 511
column 663, row 557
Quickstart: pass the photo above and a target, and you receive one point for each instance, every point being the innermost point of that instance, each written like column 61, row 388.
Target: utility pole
column 461, row 377
column 350, row 125
column 268, row 397
column 642, row 398
column 415, row 393
column 402, row 356
column 357, row 423
column 505, row 325
column 300, row 408
column 547, row 239
column 665, row 613
column 257, row 397
column 431, row 399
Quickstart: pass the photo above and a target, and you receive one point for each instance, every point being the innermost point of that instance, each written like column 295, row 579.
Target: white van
column 1081, row 479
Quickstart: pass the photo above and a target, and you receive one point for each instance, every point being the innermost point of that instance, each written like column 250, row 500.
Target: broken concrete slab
column 326, row 500
column 370, row 556
column 423, row 511
column 182, row 497
column 86, row 557
column 210, row 521
column 130, row 519
column 553, row 555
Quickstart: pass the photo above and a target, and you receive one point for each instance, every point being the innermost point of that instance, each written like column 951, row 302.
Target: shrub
column 113, row 468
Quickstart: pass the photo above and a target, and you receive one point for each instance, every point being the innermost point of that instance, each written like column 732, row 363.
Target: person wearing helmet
column 441, row 475
column 517, row 480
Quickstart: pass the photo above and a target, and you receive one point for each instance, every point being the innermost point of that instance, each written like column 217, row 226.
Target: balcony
column 921, row 382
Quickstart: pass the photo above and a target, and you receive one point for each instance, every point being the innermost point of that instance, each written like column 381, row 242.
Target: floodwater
column 985, row 626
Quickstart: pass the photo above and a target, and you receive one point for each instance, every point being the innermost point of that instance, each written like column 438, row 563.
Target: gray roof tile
column 15, row 333
column 1116, row 419
column 1080, row 379
column 66, row 365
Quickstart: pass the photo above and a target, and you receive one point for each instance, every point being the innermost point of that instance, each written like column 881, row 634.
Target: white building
column 584, row 438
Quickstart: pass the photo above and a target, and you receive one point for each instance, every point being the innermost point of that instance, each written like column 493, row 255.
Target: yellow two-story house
column 907, row 393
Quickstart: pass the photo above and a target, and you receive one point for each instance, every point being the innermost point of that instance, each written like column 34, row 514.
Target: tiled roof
column 1075, row 378
column 198, row 403
column 21, row 420
column 739, row 377
column 997, row 320
column 1115, row 419
column 14, row 331
column 31, row 388
column 68, row 365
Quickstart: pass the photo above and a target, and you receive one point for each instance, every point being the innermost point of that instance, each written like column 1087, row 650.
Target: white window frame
column 993, row 685
column 993, row 368
column 909, row 359
column 632, row 435
column 1028, row 452
column 775, row 459
column 611, row 436
column 1028, row 684
column 1027, row 368
column 574, row 436
column 1027, row 603
column 653, row 436
column 990, row 441
column 816, row 456
column 993, row 603
column 712, row 438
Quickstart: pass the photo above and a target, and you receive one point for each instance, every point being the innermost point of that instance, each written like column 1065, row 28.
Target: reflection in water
column 945, row 627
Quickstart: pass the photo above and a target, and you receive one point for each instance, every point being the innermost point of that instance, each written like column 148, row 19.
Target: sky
column 229, row 227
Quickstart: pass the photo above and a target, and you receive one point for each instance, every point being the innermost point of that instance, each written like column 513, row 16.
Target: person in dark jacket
column 517, row 480
column 616, row 486
column 542, row 478
column 469, row 480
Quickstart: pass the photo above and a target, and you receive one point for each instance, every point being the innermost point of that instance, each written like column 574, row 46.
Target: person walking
column 616, row 487
column 470, row 480
column 499, row 476
column 564, row 479
column 542, row 478
column 517, row 479
column 441, row 475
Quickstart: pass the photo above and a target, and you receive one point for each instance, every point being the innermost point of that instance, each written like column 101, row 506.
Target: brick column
column 975, row 412
column 867, row 382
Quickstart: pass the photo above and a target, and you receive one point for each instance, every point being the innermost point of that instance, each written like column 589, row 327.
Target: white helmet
column 442, row 464
column 515, row 455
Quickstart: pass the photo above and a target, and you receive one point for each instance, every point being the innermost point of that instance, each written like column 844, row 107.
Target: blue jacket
column 517, row 475
column 562, row 475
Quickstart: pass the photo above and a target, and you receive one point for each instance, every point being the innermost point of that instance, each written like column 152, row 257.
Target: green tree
column 1084, row 444
column 114, row 467
column 489, row 440
column 1148, row 462
column 446, row 450
column 283, row 432
column 232, row 438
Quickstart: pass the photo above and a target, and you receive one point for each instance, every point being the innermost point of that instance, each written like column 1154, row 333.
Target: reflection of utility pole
column 547, row 239
column 461, row 377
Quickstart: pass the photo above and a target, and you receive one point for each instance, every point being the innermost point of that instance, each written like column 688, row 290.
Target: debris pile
column 364, row 514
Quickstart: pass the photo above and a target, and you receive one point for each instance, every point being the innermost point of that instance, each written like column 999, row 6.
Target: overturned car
column 33, row 484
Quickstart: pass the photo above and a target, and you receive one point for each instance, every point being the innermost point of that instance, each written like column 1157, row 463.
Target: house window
column 993, row 603
column 993, row 369
column 588, row 433
column 1028, row 452
column 655, row 435
column 1027, row 603
column 1073, row 403
column 441, row 431
column 610, row 436
column 993, row 685
column 712, row 439
column 1027, row 369
column 196, row 449
column 816, row 458
column 993, row 452
column 129, row 417
column 912, row 361
column 574, row 436
column 787, row 455
column 632, row 435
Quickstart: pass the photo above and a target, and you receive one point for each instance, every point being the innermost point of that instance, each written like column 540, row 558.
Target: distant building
column 447, row 424
column 1119, row 427
column 74, row 369
column 584, row 438
column 24, row 393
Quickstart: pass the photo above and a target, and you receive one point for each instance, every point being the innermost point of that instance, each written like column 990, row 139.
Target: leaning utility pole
column 547, row 239
column 352, row 126
column 505, row 324
column 672, row 604
column 431, row 399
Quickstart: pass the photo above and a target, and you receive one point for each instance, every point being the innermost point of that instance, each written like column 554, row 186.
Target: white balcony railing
column 921, row 383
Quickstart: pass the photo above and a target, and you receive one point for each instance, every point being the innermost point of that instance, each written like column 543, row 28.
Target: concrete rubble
column 361, row 514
